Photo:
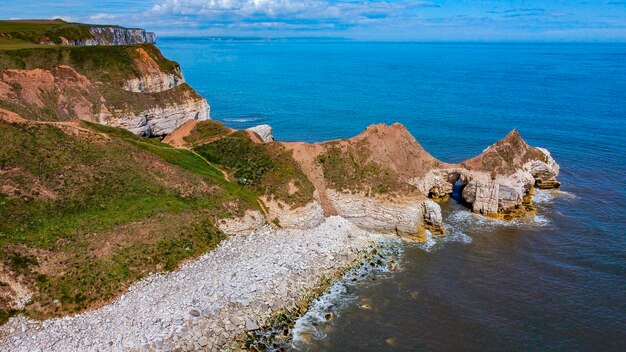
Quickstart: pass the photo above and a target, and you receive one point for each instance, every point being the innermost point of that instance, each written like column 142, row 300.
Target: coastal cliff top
column 505, row 156
column 20, row 34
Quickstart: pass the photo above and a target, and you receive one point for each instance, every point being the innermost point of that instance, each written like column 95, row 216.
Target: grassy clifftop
column 105, row 63
column 267, row 169
column 26, row 33
column 17, row 34
column 88, row 209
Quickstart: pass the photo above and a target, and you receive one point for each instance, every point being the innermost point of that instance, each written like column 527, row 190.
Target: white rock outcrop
column 264, row 131
column 406, row 215
column 497, row 180
column 499, row 195
column 251, row 221
column 154, row 83
column 113, row 35
column 162, row 120
column 305, row 217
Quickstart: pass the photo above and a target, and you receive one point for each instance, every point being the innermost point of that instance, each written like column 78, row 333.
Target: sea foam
column 313, row 323
column 544, row 196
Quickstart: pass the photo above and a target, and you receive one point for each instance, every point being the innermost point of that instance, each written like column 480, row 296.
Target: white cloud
column 242, row 8
column 102, row 16
column 287, row 10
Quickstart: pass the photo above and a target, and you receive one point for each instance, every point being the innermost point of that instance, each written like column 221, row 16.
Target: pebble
column 238, row 286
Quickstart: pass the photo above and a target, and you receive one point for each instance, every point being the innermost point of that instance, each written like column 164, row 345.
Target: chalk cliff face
column 160, row 121
column 150, row 77
column 121, row 36
column 112, row 35
column 154, row 82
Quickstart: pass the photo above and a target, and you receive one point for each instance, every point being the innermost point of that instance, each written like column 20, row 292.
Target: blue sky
column 437, row 20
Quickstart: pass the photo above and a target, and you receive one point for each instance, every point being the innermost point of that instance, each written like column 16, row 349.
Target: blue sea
column 553, row 283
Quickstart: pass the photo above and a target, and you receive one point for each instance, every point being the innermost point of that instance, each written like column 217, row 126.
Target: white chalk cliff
column 113, row 35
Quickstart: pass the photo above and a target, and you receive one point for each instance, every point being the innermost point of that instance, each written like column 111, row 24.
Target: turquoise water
column 555, row 283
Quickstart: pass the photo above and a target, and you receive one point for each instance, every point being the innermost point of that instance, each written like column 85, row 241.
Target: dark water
column 557, row 282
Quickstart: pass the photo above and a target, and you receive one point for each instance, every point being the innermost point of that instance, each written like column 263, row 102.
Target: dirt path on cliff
column 305, row 155
column 69, row 127
column 177, row 138
column 226, row 176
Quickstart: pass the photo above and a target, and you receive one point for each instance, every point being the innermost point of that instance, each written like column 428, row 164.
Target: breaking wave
column 244, row 119
column 454, row 234
column 544, row 196
column 325, row 308
column 466, row 218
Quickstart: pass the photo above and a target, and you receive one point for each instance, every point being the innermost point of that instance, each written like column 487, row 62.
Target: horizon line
column 399, row 41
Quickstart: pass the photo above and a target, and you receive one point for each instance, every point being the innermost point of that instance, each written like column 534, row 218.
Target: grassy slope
column 104, row 212
column 206, row 131
column 265, row 169
column 348, row 169
column 19, row 34
column 104, row 63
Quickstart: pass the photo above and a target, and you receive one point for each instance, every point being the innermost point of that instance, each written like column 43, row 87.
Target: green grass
column 266, row 169
column 182, row 158
column 348, row 170
column 104, row 185
column 35, row 32
column 106, row 63
column 91, row 279
column 179, row 157
column 6, row 314
column 206, row 131
column 249, row 161
column 14, row 44
column 103, row 191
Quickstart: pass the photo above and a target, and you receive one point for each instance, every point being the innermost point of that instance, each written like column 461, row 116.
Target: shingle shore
column 207, row 302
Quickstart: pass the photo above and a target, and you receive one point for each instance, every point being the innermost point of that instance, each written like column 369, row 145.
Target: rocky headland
column 246, row 225
column 383, row 180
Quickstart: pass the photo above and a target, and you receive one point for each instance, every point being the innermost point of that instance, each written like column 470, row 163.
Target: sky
column 401, row 20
